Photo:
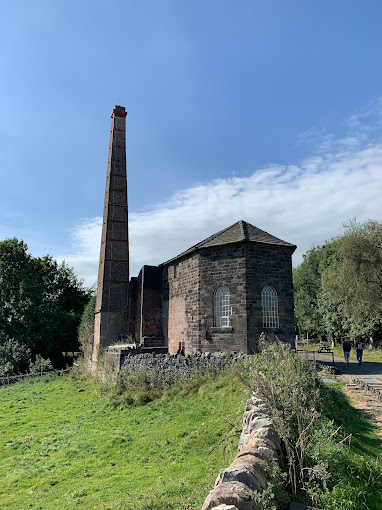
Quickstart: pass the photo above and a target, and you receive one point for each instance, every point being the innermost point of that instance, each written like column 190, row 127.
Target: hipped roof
column 236, row 233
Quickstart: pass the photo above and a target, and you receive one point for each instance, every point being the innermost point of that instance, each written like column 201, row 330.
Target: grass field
column 61, row 448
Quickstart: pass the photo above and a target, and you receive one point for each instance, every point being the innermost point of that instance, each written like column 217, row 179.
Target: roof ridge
column 210, row 238
column 244, row 230
column 241, row 231
column 196, row 246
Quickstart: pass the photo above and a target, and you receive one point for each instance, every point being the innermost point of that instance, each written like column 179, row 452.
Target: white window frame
column 222, row 308
column 270, row 308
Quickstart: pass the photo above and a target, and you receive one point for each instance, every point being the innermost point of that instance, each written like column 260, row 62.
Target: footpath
column 363, row 383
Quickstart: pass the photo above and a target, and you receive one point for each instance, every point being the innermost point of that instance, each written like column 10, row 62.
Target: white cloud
column 303, row 204
column 86, row 238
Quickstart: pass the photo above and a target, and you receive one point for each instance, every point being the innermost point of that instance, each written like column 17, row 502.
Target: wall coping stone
column 258, row 444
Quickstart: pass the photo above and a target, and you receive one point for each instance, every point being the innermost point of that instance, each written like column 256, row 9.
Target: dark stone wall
column 245, row 268
column 269, row 266
column 145, row 301
column 223, row 266
column 152, row 302
column 132, row 306
column 138, row 313
column 169, row 370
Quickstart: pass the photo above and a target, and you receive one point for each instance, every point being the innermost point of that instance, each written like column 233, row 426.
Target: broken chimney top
column 119, row 111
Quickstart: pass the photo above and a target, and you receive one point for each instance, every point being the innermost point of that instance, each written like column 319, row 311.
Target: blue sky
column 267, row 111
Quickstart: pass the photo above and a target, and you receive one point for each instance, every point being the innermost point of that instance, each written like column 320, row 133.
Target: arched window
column 222, row 308
column 269, row 304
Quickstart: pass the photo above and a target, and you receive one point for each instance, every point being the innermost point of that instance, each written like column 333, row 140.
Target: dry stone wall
column 176, row 369
column 259, row 443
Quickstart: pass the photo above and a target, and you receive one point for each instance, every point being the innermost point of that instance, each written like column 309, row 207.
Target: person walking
column 359, row 350
column 347, row 348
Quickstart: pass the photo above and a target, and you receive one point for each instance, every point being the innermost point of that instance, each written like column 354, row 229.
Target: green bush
column 139, row 388
column 293, row 393
column 14, row 357
column 40, row 365
column 86, row 327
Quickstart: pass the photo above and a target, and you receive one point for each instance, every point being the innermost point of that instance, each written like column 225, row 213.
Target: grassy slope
column 61, row 448
column 357, row 471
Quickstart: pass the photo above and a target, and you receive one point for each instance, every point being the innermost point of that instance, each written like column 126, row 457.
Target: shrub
column 293, row 393
column 137, row 389
column 86, row 327
column 40, row 365
column 14, row 357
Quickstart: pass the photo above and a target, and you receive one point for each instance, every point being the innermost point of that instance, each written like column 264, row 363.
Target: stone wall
column 145, row 304
column 176, row 369
column 259, row 443
column 245, row 268
column 132, row 305
column 223, row 266
column 181, row 306
column 138, row 307
column 269, row 266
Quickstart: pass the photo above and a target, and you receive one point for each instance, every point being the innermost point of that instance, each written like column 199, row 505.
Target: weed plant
column 145, row 385
column 321, row 434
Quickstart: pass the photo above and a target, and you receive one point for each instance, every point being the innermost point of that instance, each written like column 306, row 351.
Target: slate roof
column 236, row 233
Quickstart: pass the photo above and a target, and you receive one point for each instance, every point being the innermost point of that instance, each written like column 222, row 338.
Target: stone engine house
column 219, row 295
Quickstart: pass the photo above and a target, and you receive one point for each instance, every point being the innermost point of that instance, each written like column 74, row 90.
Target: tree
column 86, row 328
column 338, row 286
column 356, row 278
column 307, row 289
column 41, row 302
column 14, row 357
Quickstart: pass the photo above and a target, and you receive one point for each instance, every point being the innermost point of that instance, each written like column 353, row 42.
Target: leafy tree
column 356, row 277
column 338, row 286
column 307, row 289
column 41, row 302
column 40, row 365
column 14, row 357
column 86, row 327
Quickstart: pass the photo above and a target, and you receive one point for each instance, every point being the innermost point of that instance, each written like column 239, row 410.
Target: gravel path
column 347, row 373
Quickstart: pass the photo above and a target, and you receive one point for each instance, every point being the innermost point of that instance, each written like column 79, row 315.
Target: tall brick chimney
column 113, row 274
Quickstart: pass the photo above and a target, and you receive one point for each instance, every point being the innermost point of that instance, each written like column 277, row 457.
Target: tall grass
column 333, row 453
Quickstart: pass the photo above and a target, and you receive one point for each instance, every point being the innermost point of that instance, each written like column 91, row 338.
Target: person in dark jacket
column 347, row 348
column 359, row 350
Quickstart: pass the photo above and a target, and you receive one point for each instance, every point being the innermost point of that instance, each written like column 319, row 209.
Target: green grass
column 64, row 449
column 370, row 356
column 61, row 448
column 356, row 481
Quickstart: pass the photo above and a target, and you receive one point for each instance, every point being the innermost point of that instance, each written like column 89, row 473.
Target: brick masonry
column 146, row 304
column 269, row 266
column 181, row 306
column 113, row 274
